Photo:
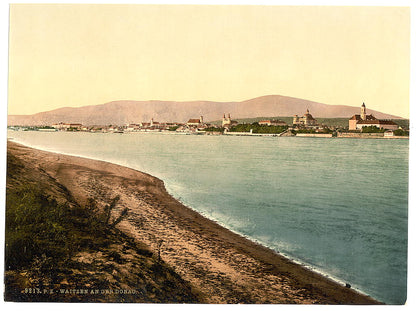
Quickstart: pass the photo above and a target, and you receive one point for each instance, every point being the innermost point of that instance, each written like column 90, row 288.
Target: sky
column 75, row 55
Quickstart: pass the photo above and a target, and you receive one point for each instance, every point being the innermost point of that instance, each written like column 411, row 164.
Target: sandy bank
column 223, row 266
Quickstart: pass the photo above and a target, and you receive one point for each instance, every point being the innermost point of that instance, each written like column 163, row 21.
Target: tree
column 372, row 129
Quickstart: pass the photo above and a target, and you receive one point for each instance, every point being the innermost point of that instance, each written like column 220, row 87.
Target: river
column 338, row 206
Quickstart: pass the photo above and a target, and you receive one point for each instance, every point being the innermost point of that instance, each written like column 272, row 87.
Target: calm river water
column 335, row 205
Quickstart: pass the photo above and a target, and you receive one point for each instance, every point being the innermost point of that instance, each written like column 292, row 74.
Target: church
column 227, row 122
column 305, row 120
column 358, row 121
column 195, row 122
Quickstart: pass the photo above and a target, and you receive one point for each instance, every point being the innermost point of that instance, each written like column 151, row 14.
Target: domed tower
column 307, row 119
column 363, row 112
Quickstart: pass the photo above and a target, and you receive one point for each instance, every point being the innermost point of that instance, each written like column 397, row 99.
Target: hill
column 130, row 111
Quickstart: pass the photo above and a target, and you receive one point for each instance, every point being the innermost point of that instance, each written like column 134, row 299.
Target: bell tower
column 363, row 112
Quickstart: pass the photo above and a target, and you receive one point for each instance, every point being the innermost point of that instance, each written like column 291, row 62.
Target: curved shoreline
column 203, row 237
column 253, row 240
column 288, row 257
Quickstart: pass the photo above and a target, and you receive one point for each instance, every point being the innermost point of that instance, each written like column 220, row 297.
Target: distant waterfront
column 337, row 205
column 287, row 131
column 361, row 125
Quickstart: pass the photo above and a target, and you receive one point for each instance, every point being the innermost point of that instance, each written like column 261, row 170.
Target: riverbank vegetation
column 401, row 132
column 55, row 247
column 372, row 129
column 257, row 128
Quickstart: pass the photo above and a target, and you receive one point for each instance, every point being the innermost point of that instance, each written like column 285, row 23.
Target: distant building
column 154, row 124
column 133, row 127
column 170, row 125
column 195, row 122
column 227, row 122
column 305, row 120
column 358, row 121
column 389, row 133
column 64, row 126
column 272, row 122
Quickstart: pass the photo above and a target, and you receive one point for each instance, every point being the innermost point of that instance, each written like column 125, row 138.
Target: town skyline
column 125, row 112
column 95, row 54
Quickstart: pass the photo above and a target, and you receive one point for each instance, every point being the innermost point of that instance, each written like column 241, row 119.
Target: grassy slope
column 52, row 243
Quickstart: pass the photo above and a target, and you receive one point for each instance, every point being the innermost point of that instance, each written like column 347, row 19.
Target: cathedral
column 227, row 122
column 305, row 120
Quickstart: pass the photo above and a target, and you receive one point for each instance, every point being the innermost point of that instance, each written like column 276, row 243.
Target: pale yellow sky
column 76, row 55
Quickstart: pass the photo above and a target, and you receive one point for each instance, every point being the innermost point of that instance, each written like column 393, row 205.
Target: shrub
column 38, row 227
column 35, row 226
column 372, row 129
column 400, row 132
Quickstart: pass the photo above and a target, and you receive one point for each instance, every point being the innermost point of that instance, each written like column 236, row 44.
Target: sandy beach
column 223, row 266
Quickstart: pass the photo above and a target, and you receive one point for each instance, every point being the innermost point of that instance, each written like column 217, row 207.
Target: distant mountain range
column 130, row 111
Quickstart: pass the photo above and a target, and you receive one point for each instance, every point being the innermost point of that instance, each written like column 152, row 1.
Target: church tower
column 363, row 112
column 226, row 121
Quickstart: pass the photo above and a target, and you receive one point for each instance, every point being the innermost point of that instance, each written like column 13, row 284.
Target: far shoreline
column 237, row 134
column 255, row 248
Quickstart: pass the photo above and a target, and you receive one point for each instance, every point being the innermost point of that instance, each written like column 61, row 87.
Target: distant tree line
column 173, row 128
column 400, row 132
column 372, row 129
column 214, row 129
column 257, row 128
column 375, row 129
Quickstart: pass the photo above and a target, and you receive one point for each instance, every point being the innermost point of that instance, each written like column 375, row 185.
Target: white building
column 358, row 121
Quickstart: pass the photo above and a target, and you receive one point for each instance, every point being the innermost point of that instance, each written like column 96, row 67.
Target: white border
column 4, row 24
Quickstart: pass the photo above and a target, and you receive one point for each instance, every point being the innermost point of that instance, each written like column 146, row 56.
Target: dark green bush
column 400, row 132
column 37, row 226
column 372, row 129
